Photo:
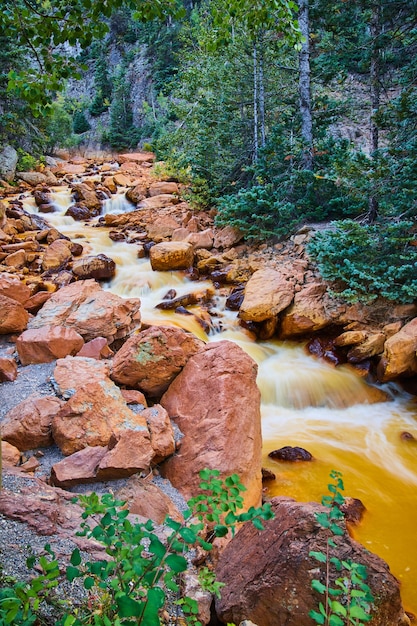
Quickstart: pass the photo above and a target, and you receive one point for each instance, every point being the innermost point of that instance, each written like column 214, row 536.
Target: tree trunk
column 305, row 86
column 255, row 104
column 375, row 30
column 262, row 95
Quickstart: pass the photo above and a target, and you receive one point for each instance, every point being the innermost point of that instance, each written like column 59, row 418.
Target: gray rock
column 8, row 162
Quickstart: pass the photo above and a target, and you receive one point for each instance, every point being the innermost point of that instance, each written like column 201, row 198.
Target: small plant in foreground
column 348, row 599
column 20, row 601
column 130, row 585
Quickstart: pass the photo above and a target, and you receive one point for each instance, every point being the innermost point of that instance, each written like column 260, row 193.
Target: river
column 305, row 402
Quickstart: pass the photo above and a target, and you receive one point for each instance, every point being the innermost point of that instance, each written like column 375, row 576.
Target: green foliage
column 364, row 262
column 121, row 132
column 20, row 602
column 79, row 123
column 347, row 597
column 25, row 161
column 102, row 84
column 257, row 213
column 130, row 585
column 43, row 29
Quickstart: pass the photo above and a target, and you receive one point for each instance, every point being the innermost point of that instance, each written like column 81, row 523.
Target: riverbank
column 229, row 267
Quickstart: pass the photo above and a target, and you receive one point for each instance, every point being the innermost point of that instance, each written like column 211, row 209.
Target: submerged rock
column 290, row 453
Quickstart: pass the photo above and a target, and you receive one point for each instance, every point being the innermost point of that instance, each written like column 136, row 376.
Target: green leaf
column 317, row 617
column 221, row 530
column 358, row 612
column 88, row 582
column 318, row 586
column 319, row 556
column 176, row 562
column 157, row 547
column 188, row 535
column 338, row 608
column 75, row 557
column 335, row 620
column 128, row 607
column 72, row 573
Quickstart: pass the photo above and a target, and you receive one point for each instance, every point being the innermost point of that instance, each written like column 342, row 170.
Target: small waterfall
column 346, row 424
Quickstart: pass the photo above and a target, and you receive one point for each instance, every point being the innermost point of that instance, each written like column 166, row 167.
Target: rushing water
column 331, row 412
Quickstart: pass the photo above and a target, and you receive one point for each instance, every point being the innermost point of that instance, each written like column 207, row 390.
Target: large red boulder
column 75, row 371
column 151, row 359
column 91, row 417
column 43, row 345
column 28, row 424
column 268, row 574
column 91, row 311
column 267, row 293
column 216, row 404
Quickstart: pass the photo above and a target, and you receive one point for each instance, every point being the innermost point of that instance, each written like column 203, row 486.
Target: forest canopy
column 278, row 113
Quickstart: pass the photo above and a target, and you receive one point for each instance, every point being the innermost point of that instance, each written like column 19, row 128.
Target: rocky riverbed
column 91, row 394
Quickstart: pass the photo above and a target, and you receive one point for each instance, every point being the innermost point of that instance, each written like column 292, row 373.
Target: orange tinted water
column 330, row 412
column 359, row 439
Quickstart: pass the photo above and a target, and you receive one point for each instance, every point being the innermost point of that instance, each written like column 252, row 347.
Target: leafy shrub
column 131, row 584
column 364, row 262
column 25, row 161
column 257, row 213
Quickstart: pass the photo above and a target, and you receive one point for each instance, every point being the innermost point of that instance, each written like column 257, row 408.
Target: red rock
column 291, row 454
column 162, row 434
column 28, row 424
column 91, row 311
column 267, row 293
column 227, row 237
column 136, row 157
column 129, row 452
column 56, row 255
column 72, row 373
column 10, row 455
column 308, row 313
column 87, row 196
column 163, row 187
column 122, row 180
column 158, row 202
column 275, row 569
column 100, row 267
column 137, row 193
column 151, row 359
column 97, row 348
column 16, row 259
column 148, row 500
column 78, row 468
column 171, row 255
column 92, row 415
column 36, row 302
column 131, row 396
column 216, row 404
column 8, row 369
column 43, row 345
column 13, row 288
column 161, row 229
column 399, row 356
column 46, row 509
column 13, row 317
column 31, row 465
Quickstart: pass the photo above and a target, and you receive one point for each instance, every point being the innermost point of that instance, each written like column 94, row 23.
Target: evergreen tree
column 121, row 132
column 102, row 85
